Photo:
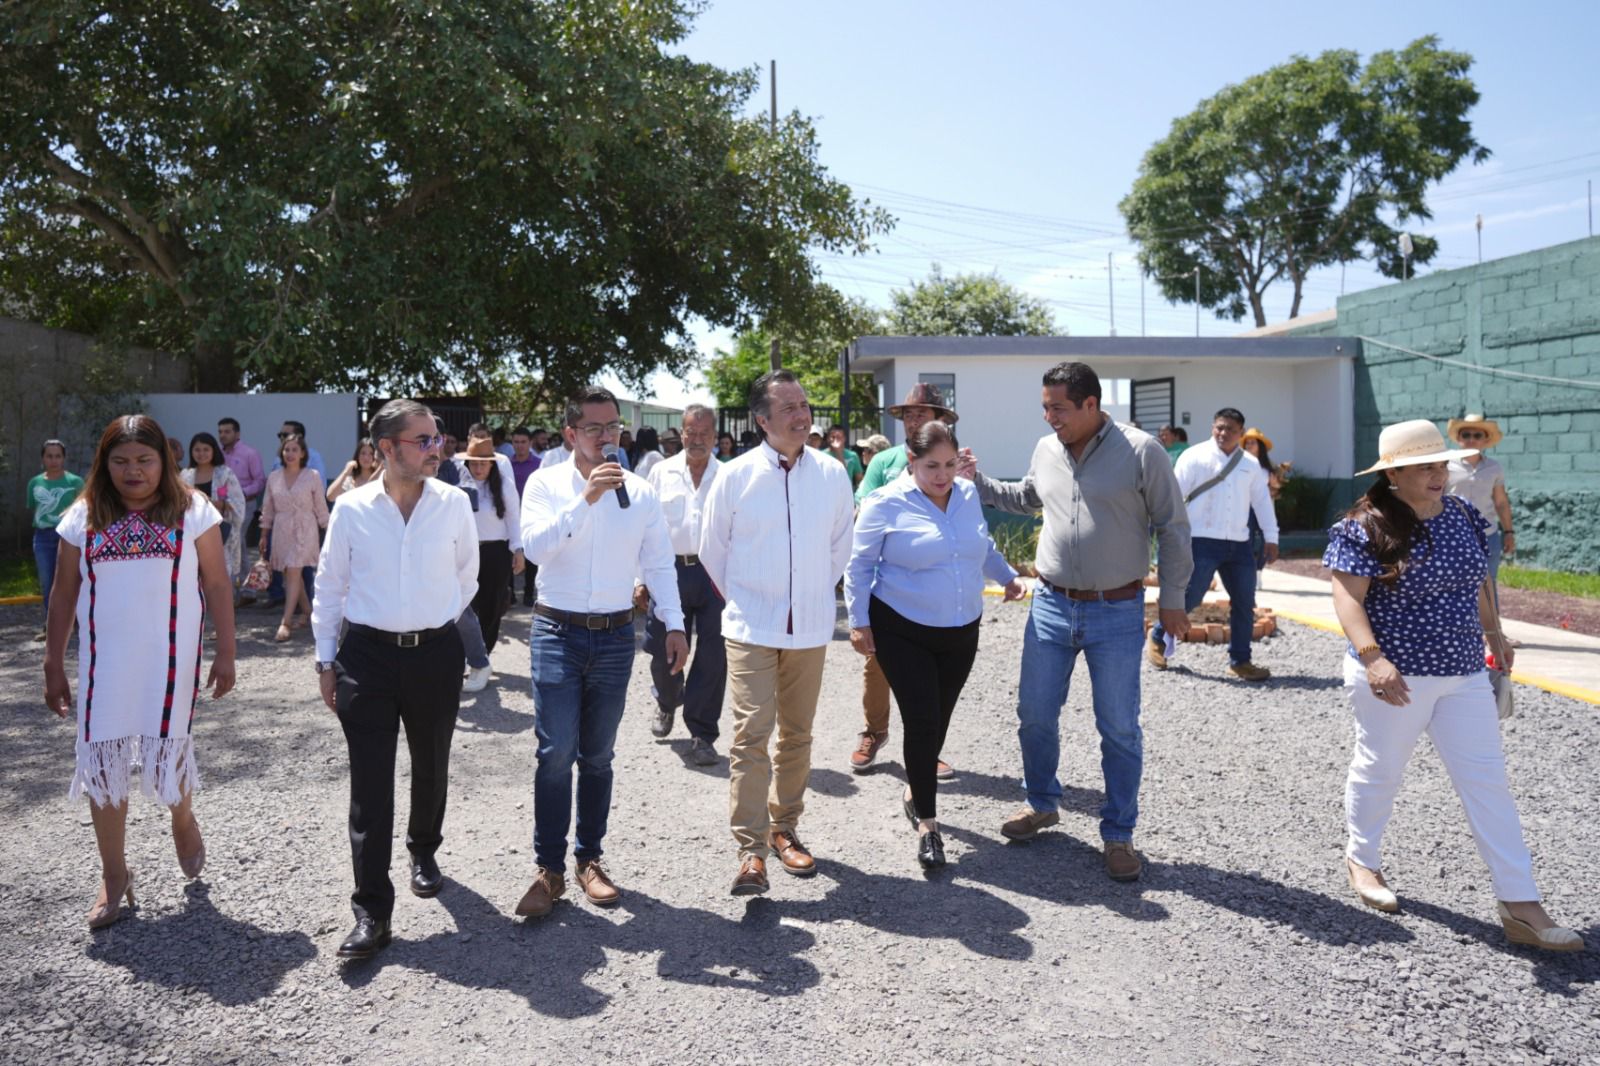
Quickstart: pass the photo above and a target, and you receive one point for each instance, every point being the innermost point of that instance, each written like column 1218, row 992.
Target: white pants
column 1459, row 715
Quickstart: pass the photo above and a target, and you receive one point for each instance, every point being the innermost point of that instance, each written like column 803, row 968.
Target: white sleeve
column 544, row 526
column 333, row 586
column 466, row 547
column 716, row 532
column 843, row 523
column 1261, row 503
column 657, row 564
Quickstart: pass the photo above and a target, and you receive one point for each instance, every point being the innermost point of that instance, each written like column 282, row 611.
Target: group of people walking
column 737, row 566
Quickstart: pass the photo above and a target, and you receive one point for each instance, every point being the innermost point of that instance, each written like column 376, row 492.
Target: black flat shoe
column 370, row 936
column 911, row 811
column 930, row 850
column 426, row 880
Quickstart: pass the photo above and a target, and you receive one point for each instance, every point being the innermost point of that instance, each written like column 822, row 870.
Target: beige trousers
column 770, row 688
column 874, row 696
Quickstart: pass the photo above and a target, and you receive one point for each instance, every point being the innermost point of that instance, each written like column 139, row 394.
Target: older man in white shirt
column 1221, row 484
column 776, row 538
column 399, row 563
column 589, row 526
column 683, row 482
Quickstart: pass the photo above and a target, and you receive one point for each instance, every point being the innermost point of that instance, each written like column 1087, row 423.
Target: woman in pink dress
column 293, row 509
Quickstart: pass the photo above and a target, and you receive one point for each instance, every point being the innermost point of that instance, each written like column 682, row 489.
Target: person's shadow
column 483, row 712
column 1555, row 972
column 231, row 961
column 683, row 748
column 1010, row 790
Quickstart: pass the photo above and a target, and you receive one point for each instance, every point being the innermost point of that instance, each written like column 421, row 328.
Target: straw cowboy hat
column 877, row 442
column 1412, row 444
column 1475, row 421
column 923, row 394
column 1255, row 434
column 479, row 449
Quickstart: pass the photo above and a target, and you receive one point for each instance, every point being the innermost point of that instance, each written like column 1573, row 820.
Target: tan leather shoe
column 1373, row 890
column 1154, row 656
column 793, row 854
column 1122, row 862
column 108, row 908
column 752, row 879
column 866, row 752
column 1520, row 932
column 548, row 886
column 1249, row 671
column 1026, row 823
column 596, row 885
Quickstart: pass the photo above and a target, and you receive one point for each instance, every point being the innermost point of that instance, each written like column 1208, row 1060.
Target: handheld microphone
column 610, row 451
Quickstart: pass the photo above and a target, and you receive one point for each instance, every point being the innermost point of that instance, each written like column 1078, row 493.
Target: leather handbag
column 260, row 576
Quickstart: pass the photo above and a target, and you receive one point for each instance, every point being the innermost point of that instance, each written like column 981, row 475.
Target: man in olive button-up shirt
column 1103, row 487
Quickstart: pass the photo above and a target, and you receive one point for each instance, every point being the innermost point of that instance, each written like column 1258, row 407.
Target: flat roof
column 868, row 352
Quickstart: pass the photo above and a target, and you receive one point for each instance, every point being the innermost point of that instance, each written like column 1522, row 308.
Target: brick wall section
column 1536, row 313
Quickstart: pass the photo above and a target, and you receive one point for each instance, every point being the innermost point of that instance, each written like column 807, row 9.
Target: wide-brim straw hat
column 923, row 394
column 480, row 449
column 1475, row 421
column 1255, row 434
column 1413, row 444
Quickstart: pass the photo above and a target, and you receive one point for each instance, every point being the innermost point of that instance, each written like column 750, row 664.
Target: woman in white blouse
column 497, row 509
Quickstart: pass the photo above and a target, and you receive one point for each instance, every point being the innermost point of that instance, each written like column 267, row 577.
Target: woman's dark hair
column 647, row 440
column 294, row 438
column 100, row 494
column 929, row 437
column 1391, row 527
column 494, row 481
column 1265, row 458
column 363, row 442
column 217, row 458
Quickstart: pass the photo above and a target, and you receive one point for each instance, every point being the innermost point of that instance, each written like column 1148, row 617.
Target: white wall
column 1325, row 430
column 330, row 419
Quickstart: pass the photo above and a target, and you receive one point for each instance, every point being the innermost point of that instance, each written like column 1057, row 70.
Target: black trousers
column 926, row 666
column 379, row 687
column 494, row 576
column 699, row 688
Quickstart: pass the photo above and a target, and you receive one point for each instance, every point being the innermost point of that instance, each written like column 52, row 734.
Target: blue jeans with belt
column 1232, row 561
column 1110, row 637
column 46, row 543
column 580, row 686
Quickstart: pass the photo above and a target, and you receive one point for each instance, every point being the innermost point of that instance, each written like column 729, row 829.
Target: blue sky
column 1002, row 135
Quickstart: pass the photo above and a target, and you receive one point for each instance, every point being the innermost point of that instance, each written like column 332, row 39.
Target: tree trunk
column 1294, row 307
column 214, row 368
column 1257, row 309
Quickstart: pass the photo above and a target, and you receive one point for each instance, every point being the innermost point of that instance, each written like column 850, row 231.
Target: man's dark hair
column 591, row 394
column 298, row 427
column 1079, row 378
column 1230, row 413
column 522, row 431
column 391, row 419
column 234, row 422
column 477, row 429
column 1181, row 433
column 761, row 390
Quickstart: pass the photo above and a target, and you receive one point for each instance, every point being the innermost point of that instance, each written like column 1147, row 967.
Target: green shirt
column 50, row 499
column 884, row 468
column 1176, row 448
column 851, row 461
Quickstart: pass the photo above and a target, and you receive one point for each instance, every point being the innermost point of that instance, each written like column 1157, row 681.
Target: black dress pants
column 700, row 687
column 380, row 686
column 926, row 667
column 494, row 577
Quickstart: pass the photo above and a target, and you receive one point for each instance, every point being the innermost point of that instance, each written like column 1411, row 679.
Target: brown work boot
column 547, row 887
column 596, row 885
column 1249, row 671
column 1122, row 862
column 866, row 752
column 793, row 854
column 1154, row 655
column 1026, row 823
column 752, row 879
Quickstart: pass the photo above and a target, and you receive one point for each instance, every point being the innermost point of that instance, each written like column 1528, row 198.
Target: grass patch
column 1586, row 586
column 17, row 577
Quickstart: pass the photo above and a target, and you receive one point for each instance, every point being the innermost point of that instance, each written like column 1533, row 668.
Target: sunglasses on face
column 426, row 444
column 1473, row 434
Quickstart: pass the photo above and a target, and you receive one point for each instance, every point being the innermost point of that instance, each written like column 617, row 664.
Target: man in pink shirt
column 245, row 462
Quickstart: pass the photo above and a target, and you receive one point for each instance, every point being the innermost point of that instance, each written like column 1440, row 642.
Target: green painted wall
column 1536, row 313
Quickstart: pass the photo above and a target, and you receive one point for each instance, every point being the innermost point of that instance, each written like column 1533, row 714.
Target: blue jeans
column 1232, row 561
column 472, row 639
column 1110, row 636
column 580, row 685
column 46, row 543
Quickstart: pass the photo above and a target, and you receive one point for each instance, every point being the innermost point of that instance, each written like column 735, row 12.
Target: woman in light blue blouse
column 914, row 590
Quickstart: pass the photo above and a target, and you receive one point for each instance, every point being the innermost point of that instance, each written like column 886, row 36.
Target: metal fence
column 863, row 422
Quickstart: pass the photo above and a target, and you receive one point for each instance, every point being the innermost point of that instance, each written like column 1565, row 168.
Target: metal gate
column 1154, row 403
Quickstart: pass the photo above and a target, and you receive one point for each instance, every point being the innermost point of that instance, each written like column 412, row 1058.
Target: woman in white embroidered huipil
column 141, row 560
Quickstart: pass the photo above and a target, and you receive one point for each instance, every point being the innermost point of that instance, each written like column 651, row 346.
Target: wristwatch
column 321, row 666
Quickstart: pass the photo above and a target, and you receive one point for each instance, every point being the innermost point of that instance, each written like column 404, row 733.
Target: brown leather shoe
column 1250, row 671
column 752, row 879
column 793, row 854
column 1122, row 862
column 1154, row 654
column 596, row 885
column 866, row 752
column 1026, row 823
column 547, row 887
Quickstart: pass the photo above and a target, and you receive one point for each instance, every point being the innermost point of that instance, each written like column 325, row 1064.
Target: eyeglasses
column 1473, row 434
column 426, row 444
column 282, row 436
column 595, row 430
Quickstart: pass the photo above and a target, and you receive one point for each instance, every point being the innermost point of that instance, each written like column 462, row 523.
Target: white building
column 1299, row 391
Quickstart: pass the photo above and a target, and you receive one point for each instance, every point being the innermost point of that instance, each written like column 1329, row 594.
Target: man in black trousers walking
column 399, row 563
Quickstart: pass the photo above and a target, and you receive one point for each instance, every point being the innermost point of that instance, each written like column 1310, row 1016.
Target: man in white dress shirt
column 399, row 562
column 1221, row 484
column 588, row 544
column 682, row 482
column 776, row 538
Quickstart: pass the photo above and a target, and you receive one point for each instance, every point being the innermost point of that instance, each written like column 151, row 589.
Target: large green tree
column 1314, row 162
column 966, row 305
column 810, row 349
column 399, row 194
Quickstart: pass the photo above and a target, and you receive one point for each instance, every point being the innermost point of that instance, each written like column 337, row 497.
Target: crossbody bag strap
column 1228, row 468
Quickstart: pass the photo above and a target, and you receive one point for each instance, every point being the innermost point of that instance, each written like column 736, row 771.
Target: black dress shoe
column 426, row 880
column 370, row 936
column 661, row 724
column 930, row 850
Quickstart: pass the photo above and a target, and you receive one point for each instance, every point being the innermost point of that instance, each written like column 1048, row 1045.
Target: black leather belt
column 584, row 621
column 402, row 640
column 1124, row 592
column 689, row 560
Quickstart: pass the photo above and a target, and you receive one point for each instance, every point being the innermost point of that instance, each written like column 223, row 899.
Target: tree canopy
column 1314, row 162
column 812, row 352
column 966, row 305
column 399, row 195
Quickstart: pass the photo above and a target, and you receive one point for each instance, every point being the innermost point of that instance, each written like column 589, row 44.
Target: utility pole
column 775, row 356
column 1111, row 295
column 1197, row 300
column 1141, row 303
column 1479, row 225
column 1591, row 207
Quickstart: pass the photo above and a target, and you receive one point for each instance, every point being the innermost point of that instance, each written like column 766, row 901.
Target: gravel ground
column 1241, row 944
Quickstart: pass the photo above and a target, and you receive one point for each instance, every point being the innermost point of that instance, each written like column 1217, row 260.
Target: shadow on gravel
column 1556, row 973
column 38, row 754
column 682, row 746
column 200, row 948
column 482, row 712
column 1009, row 790
column 1311, row 914
column 546, row 961
column 1054, row 866
column 833, row 783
